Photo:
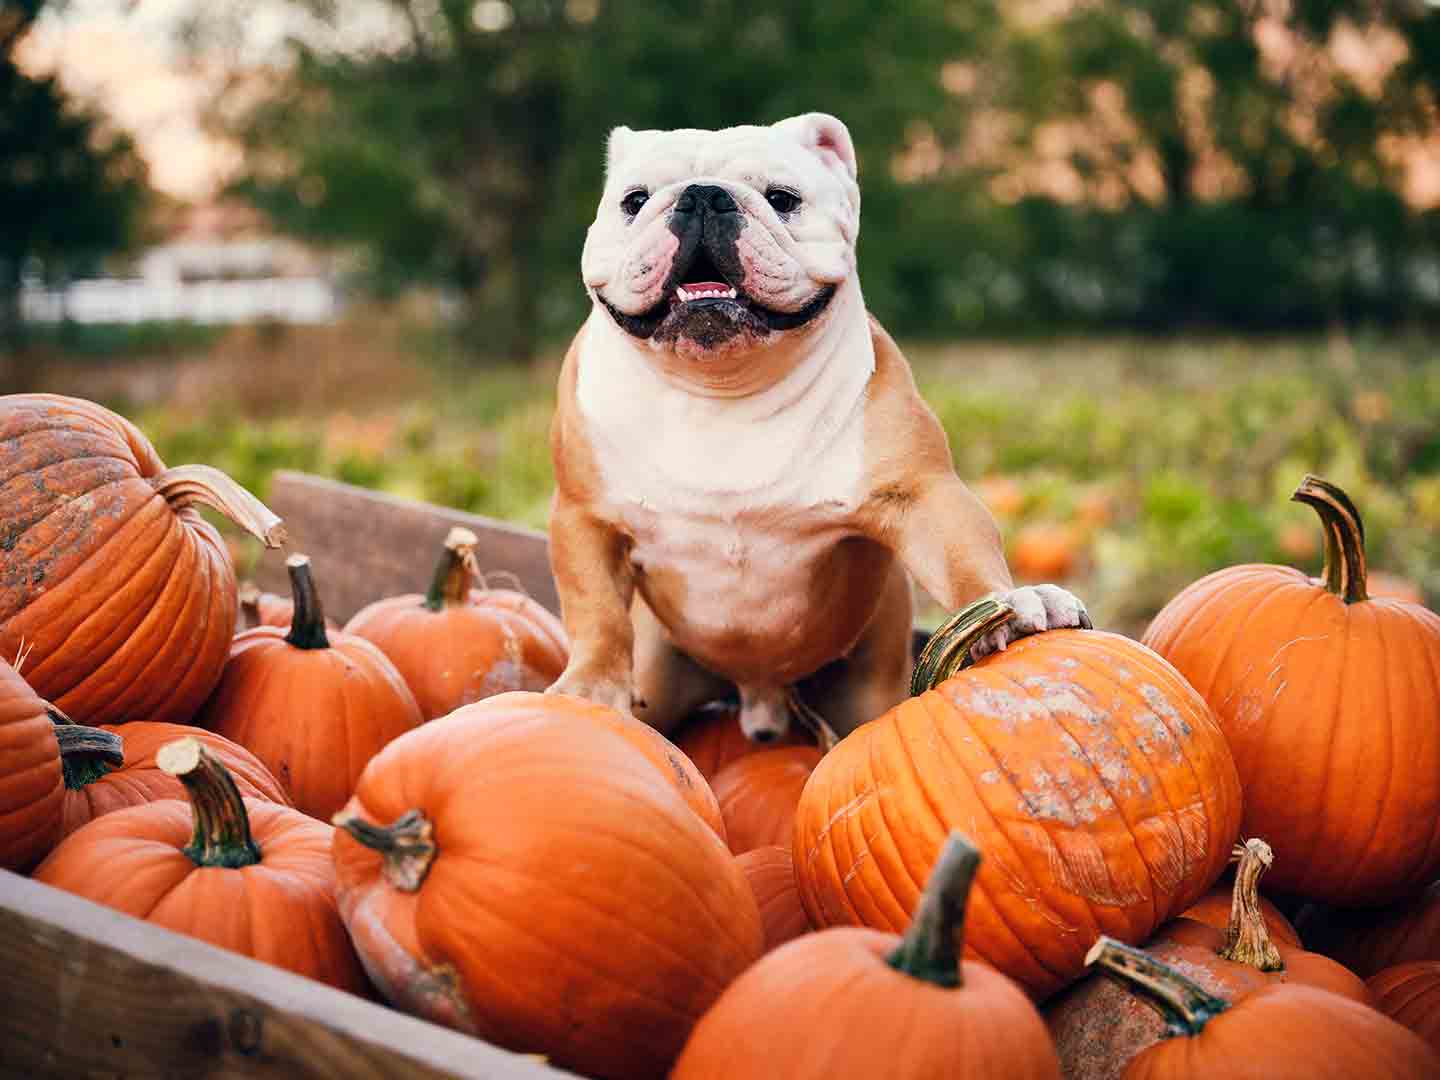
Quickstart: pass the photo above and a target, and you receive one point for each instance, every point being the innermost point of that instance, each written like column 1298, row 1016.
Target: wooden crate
column 87, row 991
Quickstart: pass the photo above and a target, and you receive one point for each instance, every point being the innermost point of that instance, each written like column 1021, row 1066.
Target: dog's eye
column 782, row 200
column 633, row 201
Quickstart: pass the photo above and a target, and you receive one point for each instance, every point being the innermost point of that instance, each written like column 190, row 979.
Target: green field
column 1159, row 460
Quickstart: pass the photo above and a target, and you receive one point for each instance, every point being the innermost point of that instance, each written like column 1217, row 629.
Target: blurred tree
column 70, row 188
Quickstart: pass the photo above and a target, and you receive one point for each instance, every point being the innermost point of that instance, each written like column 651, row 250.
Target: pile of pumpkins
column 1019, row 871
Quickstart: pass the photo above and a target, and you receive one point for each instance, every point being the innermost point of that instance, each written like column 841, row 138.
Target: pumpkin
column 259, row 608
column 32, row 788
column 122, row 594
column 771, row 875
column 712, row 738
column 456, row 644
column 864, row 1004
column 313, row 708
column 1214, row 908
column 758, row 795
column 1378, row 583
column 1330, row 700
column 1285, row 1031
column 1088, row 768
column 247, row 875
column 1367, row 942
column 521, row 873
column 1002, row 495
column 1410, row 994
column 1044, row 552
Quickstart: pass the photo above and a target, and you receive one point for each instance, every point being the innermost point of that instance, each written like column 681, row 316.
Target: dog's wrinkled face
column 711, row 242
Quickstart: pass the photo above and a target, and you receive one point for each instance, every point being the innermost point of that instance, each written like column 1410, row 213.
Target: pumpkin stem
column 307, row 624
column 1183, row 1003
column 222, row 827
column 948, row 650
column 187, row 485
column 407, row 843
column 456, row 571
column 249, row 595
column 1247, row 938
column 1344, row 571
column 932, row 947
column 86, row 753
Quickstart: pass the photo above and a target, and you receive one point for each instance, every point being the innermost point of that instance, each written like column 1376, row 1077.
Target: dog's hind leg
column 669, row 686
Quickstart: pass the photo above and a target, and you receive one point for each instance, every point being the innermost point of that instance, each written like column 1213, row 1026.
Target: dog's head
column 712, row 243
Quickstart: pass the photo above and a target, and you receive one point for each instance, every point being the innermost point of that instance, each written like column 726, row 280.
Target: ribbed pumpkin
column 520, row 873
column 456, row 644
column 123, row 596
column 711, row 737
column 1330, row 701
column 1281, row 1032
column 1369, row 941
column 247, row 875
column 313, row 708
column 771, row 875
column 759, row 794
column 1094, row 776
column 32, row 789
column 857, row 1004
column 1410, row 994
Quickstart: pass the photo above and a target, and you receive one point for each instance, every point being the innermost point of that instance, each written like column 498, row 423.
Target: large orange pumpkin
column 122, row 595
column 1092, row 774
column 771, row 874
column 858, row 1004
column 1410, row 994
column 32, row 787
column 314, row 708
column 456, row 644
column 246, row 875
column 525, row 875
column 1330, row 700
column 1369, row 941
column 759, row 793
column 712, row 738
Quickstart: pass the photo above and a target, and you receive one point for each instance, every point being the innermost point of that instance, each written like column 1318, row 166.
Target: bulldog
column 746, row 476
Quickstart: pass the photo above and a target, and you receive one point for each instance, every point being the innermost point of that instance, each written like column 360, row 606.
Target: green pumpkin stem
column 1247, row 938
column 307, row 624
column 86, row 753
column 192, row 485
column 1183, row 1003
column 221, row 836
column 948, row 650
column 455, row 573
column 931, row 949
column 407, row 844
column 1344, row 571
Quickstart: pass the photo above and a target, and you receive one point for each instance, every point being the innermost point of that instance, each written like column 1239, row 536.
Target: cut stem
column 249, row 594
column 407, row 844
column 1247, row 938
column 221, row 836
column 1185, row 1005
column 190, row 485
column 455, row 573
column 1344, row 571
column 86, row 753
column 948, row 650
column 307, row 624
column 932, row 947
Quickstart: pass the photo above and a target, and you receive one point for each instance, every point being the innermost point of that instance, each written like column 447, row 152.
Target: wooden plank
column 365, row 545
column 87, row 991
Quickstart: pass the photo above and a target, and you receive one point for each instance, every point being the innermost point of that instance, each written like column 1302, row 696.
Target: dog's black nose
column 705, row 196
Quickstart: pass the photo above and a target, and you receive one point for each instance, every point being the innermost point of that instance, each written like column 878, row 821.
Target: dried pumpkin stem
column 455, row 573
column 1183, row 1003
column 407, row 844
column 932, row 947
column 189, row 485
column 221, row 836
column 307, row 624
column 948, row 650
column 1344, row 571
column 1247, row 938
column 249, row 595
column 86, row 753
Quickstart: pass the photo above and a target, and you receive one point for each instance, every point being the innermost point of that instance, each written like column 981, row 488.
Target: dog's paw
column 1037, row 608
column 615, row 693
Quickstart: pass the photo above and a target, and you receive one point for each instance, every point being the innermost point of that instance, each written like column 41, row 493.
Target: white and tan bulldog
column 745, row 471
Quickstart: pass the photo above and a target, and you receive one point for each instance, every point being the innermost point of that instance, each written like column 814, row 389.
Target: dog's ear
column 825, row 135
column 622, row 141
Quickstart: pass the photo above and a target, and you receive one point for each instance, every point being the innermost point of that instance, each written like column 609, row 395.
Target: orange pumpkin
column 1044, row 552
column 759, row 794
column 32, row 787
column 518, row 872
column 314, row 709
column 247, row 875
column 1330, row 701
column 1378, row 583
column 1410, row 994
column 856, row 1004
column 123, row 596
column 1214, row 909
column 712, row 738
column 772, row 881
column 259, row 608
column 456, row 644
column 1367, row 942
column 1002, row 495
column 1094, row 774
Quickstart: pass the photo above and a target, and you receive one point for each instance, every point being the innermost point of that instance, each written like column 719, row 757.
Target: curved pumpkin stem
column 1344, row 571
column 188, row 485
column 1247, row 938
column 222, row 827
column 407, row 844
column 307, row 624
column 948, row 650
column 86, row 753
column 455, row 573
column 1184, row 1004
column 932, row 947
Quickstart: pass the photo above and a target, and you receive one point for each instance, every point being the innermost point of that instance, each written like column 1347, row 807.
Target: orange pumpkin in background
column 1369, row 941
column 258, row 608
column 1410, row 994
column 759, row 793
column 711, row 737
column 771, row 875
column 1044, row 552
